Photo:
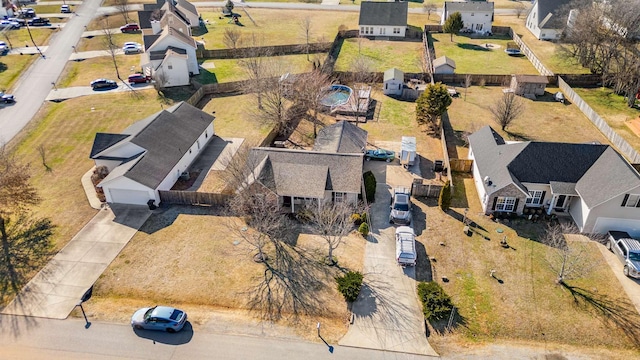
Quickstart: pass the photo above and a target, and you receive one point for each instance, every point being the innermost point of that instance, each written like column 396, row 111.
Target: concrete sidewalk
column 77, row 91
column 387, row 314
column 58, row 287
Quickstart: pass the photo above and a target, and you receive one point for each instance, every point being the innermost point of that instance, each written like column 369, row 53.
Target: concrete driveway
column 387, row 313
column 630, row 286
column 57, row 288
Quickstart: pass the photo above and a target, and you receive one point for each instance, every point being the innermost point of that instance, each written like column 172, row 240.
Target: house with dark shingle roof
column 592, row 183
column 331, row 171
column 477, row 16
column 151, row 154
column 547, row 18
column 386, row 19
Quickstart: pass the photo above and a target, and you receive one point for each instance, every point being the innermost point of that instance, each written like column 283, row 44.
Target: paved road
column 32, row 338
column 34, row 86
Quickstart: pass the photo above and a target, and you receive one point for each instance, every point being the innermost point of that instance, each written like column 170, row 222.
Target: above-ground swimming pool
column 338, row 95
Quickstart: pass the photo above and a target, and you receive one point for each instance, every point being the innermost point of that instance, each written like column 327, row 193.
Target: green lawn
column 472, row 57
column 11, row 67
column 227, row 70
column 81, row 73
column 404, row 55
column 20, row 37
column 613, row 109
column 47, row 9
column 98, row 42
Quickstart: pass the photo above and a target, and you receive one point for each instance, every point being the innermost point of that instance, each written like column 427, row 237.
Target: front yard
column 11, row 67
column 81, row 73
column 100, row 42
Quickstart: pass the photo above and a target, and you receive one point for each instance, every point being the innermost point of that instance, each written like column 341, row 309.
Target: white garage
column 630, row 226
column 126, row 196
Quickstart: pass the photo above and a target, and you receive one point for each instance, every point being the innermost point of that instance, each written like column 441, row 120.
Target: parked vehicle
column 130, row 28
column 400, row 207
column 129, row 49
column 27, row 13
column 22, row 22
column 559, row 97
column 132, row 43
column 380, row 154
column 38, row 21
column 3, row 47
column 65, row 9
column 408, row 151
column 628, row 251
column 6, row 98
column 103, row 84
column 163, row 318
column 405, row 246
column 438, row 166
column 7, row 24
column 138, row 79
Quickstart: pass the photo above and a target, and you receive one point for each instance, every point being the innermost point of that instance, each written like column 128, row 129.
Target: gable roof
column 187, row 6
column 557, row 19
column 393, row 74
column 303, row 173
column 165, row 136
column 168, row 31
column 442, row 60
column 161, row 54
column 172, row 9
column 467, row 6
column 104, row 141
column 148, row 40
column 534, row 79
column 145, row 17
column 568, row 168
column 341, row 137
column 383, row 13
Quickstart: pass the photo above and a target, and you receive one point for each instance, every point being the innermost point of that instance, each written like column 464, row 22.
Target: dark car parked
column 138, row 79
column 103, row 84
column 6, row 98
column 38, row 21
column 130, row 28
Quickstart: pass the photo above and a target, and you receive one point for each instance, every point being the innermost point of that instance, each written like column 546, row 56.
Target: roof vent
column 487, row 181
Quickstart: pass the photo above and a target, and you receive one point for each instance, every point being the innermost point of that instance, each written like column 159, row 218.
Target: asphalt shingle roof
column 467, row 6
column 341, row 137
column 383, row 13
column 558, row 18
column 160, row 54
column 104, row 141
column 444, row 60
column 393, row 73
column 187, row 6
column 536, row 79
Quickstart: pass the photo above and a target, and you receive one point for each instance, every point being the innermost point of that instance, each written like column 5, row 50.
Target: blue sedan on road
column 159, row 318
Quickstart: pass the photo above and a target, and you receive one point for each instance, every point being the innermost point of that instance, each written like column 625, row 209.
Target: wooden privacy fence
column 461, row 165
column 621, row 144
column 192, row 198
column 419, row 188
column 530, row 55
column 275, row 50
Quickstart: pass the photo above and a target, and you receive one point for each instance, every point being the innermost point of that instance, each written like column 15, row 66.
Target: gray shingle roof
column 393, row 73
column 300, row 172
column 536, row 79
column 104, row 141
column 557, row 8
column 467, row 6
column 563, row 188
column 383, row 13
column 159, row 55
column 341, row 137
column 444, row 60
column 187, row 6
column 148, row 40
column 157, row 5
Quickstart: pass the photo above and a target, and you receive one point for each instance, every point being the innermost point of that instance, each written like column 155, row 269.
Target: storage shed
column 393, row 82
column 444, row 65
column 528, row 85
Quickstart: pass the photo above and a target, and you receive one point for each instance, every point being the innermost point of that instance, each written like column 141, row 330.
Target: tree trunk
column 6, row 255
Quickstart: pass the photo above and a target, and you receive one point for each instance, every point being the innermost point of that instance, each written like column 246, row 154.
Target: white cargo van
column 405, row 246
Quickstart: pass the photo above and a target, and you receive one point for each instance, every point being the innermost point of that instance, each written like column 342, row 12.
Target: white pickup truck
column 405, row 246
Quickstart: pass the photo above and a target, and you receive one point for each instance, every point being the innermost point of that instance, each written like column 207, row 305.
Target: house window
column 198, row 143
column 189, row 151
column 339, row 197
column 396, row 30
column 479, row 26
column 170, row 67
column 535, row 197
column 383, row 31
column 206, row 134
column 631, row 200
column 485, row 198
column 505, row 204
column 471, row 14
column 367, row 30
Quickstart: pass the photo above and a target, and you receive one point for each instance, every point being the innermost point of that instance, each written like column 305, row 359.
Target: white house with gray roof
column 331, row 171
column 383, row 19
column 547, row 18
column 170, row 57
column 592, row 183
column 477, row 16
column 151, row 154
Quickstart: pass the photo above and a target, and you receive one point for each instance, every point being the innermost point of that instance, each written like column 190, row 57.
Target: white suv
column 628, row 251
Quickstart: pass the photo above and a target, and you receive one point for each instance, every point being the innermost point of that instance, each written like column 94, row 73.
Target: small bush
column 436, row 304
column 357, row 219
column 444, row 200
column 363, row 217
column 370, row 186
column 364, row 229
column 349, row 285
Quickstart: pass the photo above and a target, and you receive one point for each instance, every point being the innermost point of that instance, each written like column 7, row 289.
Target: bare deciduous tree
column 231, row 38
column 305, row 28
column 519, row 9
column 506, row 109
column 15, row 190
column 570, row 261
column 111, row 47
column 429, row 8
column 310, row 89
column 362, row 70
column 123, row 8
column 43, row 156
column 467, row 84
column 332, row 222
column 254, row 65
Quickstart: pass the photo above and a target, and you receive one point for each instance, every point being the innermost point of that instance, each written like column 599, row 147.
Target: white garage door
column 631, row 226
column 124, row 196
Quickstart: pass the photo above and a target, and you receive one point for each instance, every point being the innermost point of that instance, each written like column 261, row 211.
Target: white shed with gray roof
column 393, row 82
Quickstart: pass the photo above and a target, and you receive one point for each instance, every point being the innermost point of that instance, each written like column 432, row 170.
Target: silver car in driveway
column 163, row 318
column 400, row 207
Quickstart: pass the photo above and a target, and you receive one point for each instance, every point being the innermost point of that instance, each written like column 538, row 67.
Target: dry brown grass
column 528, row 305
column 81, row 73
column 112, row 21
column 201, row 263
column 98, row 42
column 543, row 120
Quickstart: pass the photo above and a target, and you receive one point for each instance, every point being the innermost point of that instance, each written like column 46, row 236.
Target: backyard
column 484, row 55
column 381, row 54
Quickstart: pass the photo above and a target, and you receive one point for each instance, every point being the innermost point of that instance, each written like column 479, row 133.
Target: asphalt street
column 34, row 86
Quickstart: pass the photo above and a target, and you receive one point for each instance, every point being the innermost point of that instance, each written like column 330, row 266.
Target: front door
column 560, row 202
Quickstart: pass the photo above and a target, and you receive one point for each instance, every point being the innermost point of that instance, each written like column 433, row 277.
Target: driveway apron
column 56, row 290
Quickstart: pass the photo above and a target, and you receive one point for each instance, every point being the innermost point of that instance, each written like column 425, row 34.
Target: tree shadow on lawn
column 516, row 136
column 618, row 312
column 467, row 46
column 441, row 327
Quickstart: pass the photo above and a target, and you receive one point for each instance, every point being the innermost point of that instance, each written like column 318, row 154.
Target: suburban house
column 477, row 16
column 591, row 183
column 547, row 18
column 331, row 171
column 528, row 86
column 170, row 57
column 153, row 21
column 6, row 10
column 386, row 19
column 183, row 8
column 151, row 154
column 393, row 81
column 444, row 65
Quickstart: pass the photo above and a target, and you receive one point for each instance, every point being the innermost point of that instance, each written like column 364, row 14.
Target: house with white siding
column 383, row 19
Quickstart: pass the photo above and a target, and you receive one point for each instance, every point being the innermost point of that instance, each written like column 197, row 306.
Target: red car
column 130, row 28
column 138, row 79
